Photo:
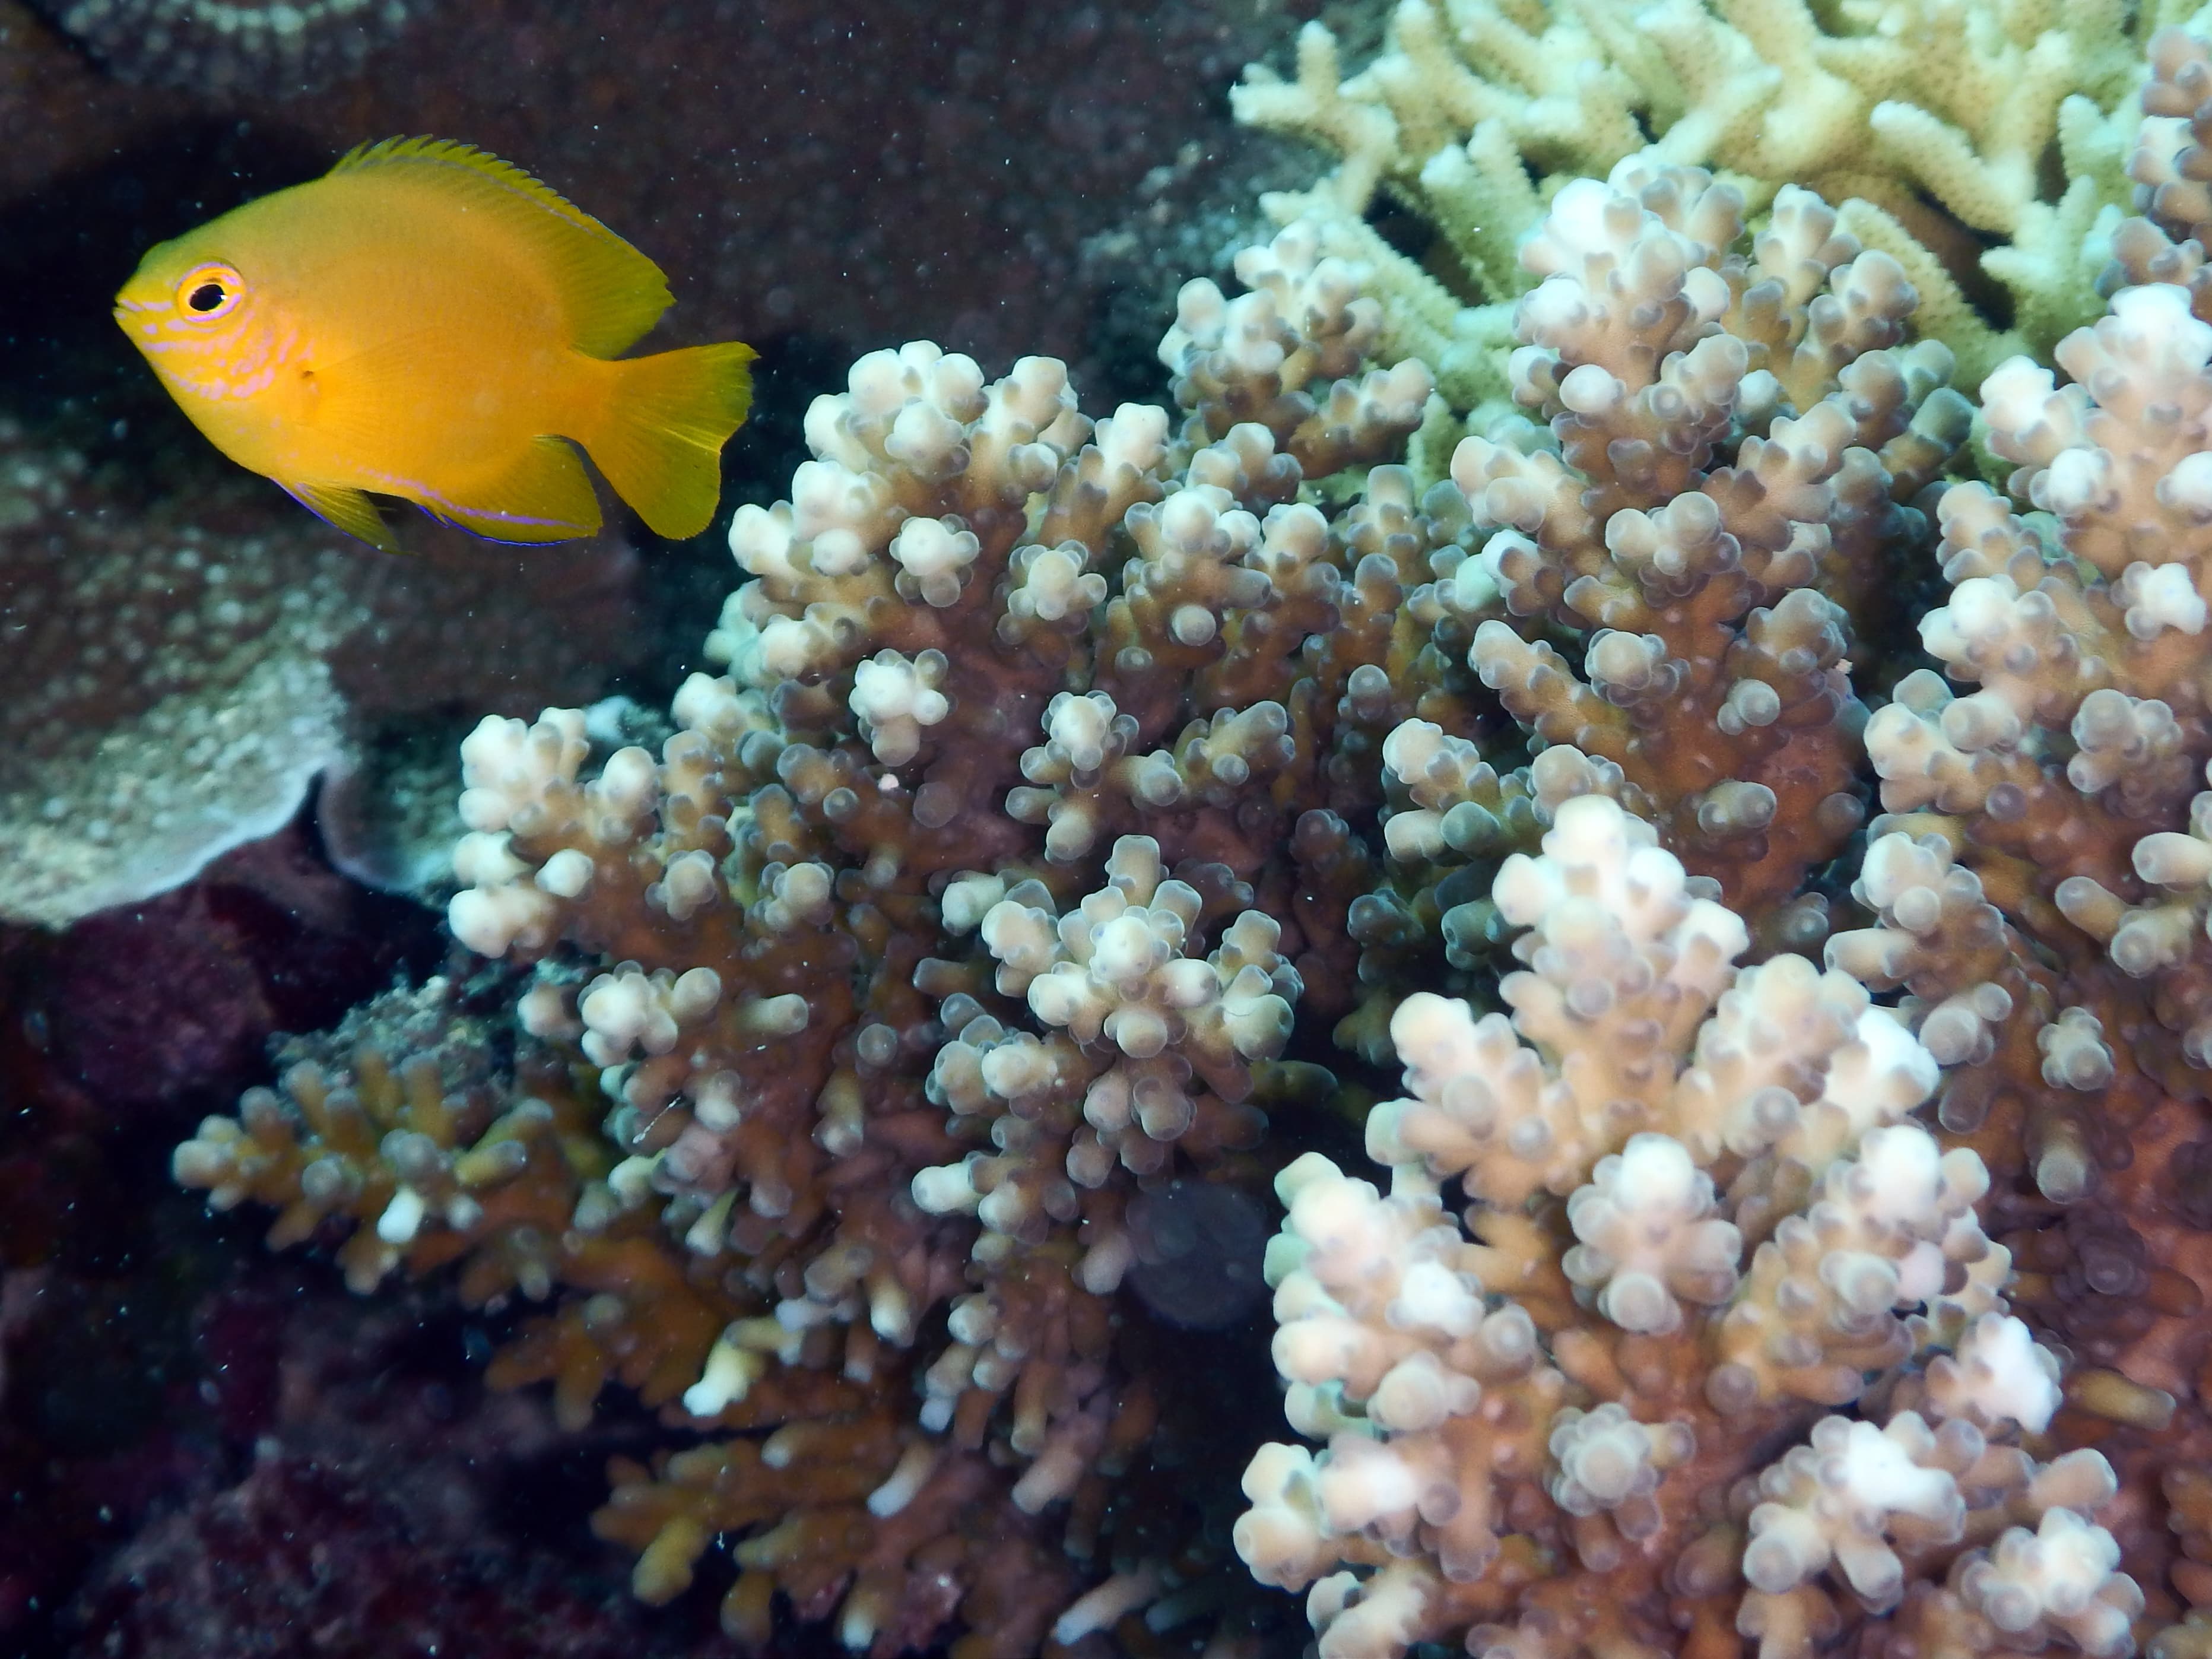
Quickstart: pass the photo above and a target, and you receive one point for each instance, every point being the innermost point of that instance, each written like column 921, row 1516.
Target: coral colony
column 286, row 47
column 1792, row 1230
column 177, row 680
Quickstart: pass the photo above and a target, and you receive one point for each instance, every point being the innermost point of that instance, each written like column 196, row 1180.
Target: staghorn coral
column 2166, row 243
column 1935, row 127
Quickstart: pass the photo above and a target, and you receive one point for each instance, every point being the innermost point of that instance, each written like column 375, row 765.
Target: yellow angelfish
column 429, row 322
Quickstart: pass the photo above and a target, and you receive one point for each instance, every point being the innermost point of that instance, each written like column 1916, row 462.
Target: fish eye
column 208, row 292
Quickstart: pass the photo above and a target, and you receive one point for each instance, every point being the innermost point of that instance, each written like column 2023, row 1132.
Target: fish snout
column 142, row 319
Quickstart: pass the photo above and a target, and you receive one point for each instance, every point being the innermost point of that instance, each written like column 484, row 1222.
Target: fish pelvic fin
column 544, row 496
column 659, row 435
column 347, row 509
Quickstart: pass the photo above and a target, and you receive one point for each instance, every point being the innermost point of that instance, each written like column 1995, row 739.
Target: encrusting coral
column 177, row 680
column 214, row 46
column 101, row 681
column 1796, row 1226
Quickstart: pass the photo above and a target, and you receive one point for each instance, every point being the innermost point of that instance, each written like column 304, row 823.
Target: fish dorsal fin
column 611, row 292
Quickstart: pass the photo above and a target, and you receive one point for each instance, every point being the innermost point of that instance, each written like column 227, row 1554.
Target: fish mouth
column 144, row 321
column 127, row 307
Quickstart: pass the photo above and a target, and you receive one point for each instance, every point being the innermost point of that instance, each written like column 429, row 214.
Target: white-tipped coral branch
column 1460, row 1397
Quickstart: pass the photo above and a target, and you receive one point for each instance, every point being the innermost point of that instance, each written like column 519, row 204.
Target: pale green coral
column 1937, row 125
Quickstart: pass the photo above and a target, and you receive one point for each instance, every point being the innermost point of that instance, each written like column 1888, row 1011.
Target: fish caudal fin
column 661, row 434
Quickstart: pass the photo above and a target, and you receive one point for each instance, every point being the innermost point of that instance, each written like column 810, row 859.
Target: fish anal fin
column 347, row 509
column 545, row 496
column 610, row 293
column 660, row 437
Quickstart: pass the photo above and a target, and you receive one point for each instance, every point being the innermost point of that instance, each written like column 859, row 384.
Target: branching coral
column 1735, row 436
column 1934, row 126
column 2061, row 783
column 973, row 944
column 1479, row 1424
column 886, row 1064
column 1666, row 577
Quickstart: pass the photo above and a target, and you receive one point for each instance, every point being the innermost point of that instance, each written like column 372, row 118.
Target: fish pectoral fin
column 543, row 496
column 347, row 509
